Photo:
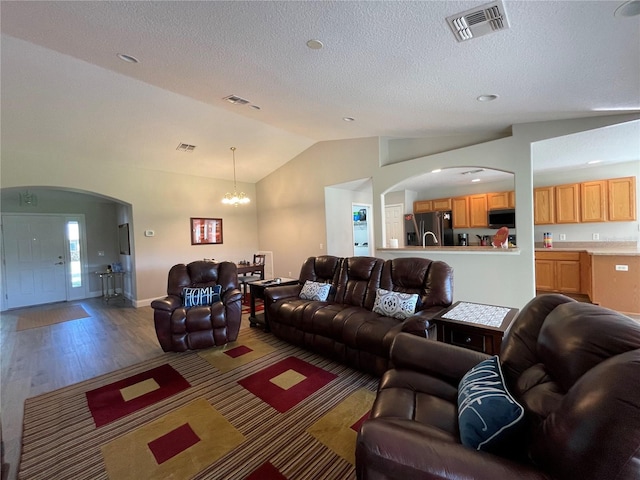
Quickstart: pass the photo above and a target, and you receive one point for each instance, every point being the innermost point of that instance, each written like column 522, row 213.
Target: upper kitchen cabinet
column 544, row 205
column 622, row 199
column 478, row 211
column 593, row 201
column 498, row 201
column 460, row 212
column 423, row 206
column 442, row 205
column 568, row 203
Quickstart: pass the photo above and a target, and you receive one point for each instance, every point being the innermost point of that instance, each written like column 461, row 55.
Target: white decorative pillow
column 315, row 291
column 395, row 304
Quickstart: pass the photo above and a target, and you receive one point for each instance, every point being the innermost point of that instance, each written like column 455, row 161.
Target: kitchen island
column 607, row 273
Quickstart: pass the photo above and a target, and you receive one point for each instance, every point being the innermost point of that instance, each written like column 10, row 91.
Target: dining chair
column 245, row 278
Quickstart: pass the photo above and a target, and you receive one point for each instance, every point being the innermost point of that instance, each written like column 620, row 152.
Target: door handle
column 59, row 263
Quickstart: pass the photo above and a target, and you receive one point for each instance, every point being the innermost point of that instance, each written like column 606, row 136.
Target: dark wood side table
column 256, row 290
column 475, row 326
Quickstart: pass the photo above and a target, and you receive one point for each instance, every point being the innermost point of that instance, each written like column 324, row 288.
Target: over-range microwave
column 502, row 218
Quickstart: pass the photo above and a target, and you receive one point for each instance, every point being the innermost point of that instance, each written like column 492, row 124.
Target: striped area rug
column 215, row 428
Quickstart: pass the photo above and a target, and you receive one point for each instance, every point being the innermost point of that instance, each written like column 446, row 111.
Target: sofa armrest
column 231, row 295
column 275, row 293
column 420, row 323
column 435, row 358
column 401, row 449
column 168, row 303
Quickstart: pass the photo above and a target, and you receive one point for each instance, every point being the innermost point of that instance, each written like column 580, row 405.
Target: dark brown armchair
column 181, row 328
column 574, row 368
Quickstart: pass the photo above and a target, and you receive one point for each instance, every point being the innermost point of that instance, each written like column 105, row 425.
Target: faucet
column 424, row 238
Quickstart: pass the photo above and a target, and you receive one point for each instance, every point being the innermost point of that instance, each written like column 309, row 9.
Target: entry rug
column 44, row 318
column 283, row 413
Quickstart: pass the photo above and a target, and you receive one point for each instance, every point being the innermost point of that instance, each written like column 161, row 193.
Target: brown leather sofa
column 180, row 328
column 344, row 327
column 574, row 368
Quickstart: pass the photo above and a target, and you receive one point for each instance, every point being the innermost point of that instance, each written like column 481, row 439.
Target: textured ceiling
column 393, row 66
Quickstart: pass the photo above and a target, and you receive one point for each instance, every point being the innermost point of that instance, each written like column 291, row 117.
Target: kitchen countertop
column 454, row 249
column 594, row 248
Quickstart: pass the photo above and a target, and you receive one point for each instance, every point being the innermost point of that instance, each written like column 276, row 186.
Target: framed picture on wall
column 206, row 231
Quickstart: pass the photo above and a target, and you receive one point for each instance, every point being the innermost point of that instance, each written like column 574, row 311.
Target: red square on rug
column 121, row 398
column 172, row 443
column 238, row 351
column 356, row 426
column 286, row 383
column 266, row 472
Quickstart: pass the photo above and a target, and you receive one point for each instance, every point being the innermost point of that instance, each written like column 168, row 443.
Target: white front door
column 394, row 224
column 34, row 251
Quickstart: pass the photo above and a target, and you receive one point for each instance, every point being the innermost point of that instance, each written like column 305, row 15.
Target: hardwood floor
column 47, row 358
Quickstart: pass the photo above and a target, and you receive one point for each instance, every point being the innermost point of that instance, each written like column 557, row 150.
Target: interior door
column 394, row 225
column 34, row 250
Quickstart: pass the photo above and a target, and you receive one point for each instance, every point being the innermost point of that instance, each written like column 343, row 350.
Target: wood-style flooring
column 43, row 359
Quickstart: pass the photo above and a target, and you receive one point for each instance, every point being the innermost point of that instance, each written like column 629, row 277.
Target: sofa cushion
column 488, row 416
column 395, row 304
column 315, row 291
column 197, row 296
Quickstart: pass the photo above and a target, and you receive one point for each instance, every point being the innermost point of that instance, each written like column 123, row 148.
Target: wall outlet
column 149, row 233
column 321, row 246
column 563, row 236
column 289, row 275
column 622, row 268
column 596, row 236
column 101, row 253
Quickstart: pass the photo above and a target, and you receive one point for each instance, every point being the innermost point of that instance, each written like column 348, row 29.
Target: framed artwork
column 123, row 239
column 206, row 231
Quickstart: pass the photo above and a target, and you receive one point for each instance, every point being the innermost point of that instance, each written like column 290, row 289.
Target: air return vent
column 236, row 100
column 185, row 147
column 478, row 21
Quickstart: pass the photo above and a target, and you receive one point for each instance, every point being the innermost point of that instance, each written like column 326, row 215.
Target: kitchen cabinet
column 498, row 201
column 559, row 272
column 593, row 201
column 568, row 203
column 423, row 206
column 622, row 199
column 442, row 205
column 460, row 212
column 544, row 205
column 512, row 199
column 437, row 205
column 478, row 211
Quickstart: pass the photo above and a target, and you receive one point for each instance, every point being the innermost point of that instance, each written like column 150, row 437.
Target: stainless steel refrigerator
column 439, row 223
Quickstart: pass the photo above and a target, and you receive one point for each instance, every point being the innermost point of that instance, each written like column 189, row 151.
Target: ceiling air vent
column 185, row 147
column 236, row 100
column 478, row 21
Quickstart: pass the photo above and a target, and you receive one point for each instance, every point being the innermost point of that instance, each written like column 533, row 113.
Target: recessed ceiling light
column 487, row 98
column 128, row 58
column 628, row 9
column 593, row 162
column 314, row 44
column 348, row 119
column 475, row 180
column 437, row 170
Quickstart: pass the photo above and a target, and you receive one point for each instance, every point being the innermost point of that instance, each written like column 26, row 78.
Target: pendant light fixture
column 236, row 198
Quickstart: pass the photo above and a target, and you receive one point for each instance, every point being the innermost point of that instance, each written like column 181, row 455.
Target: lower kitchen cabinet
column 560, row 272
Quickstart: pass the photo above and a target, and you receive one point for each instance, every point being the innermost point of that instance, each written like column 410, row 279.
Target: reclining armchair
column 202, row 309
column 571, row 369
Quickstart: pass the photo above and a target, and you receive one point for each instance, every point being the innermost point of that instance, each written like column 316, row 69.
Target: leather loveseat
column 344, row 326
column 181, row 328
column 574, row 368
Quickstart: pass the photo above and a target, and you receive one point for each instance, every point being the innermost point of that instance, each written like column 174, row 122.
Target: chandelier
column 235, row 198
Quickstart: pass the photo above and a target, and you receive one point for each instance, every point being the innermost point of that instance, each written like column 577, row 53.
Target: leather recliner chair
column 574, row 368
column 181, row 328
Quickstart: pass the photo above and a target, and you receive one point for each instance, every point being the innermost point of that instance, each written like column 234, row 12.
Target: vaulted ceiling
column 394, row 67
